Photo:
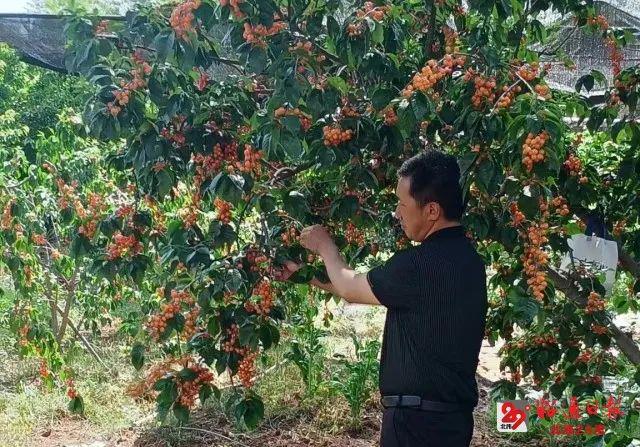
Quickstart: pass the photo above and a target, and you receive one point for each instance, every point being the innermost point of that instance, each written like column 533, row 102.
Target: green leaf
column 269, row 336
column 80, row 246
column 76, row 405
column 266, row 203
column 137, row 356
column 421, row 106
column 213, row 326
column 292, row 146
column 585, row 81
column 344, row 207
column 163, row 43
column 295, row 203
column 291, row 123
column 256, row 60
column 381, row 98
column 248, row 336
column 303, row 275
column 377, row 35
column 253, row 412
column 187, row 374
column 205, row 392
column 181, row 413
column 338, row 83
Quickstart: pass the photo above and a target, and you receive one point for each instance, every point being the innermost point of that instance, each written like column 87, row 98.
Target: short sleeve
column 395, row 283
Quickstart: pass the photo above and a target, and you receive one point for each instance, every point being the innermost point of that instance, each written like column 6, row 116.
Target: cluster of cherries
column 353, row 235
column 369, row 10
column 507, row 96
column 7, row 217
column 263, row 307
column 188, row 390
column 305, row 118
column 89, row 215
column 533, row 149
column 158, row 323
column 390, row 117
column 224, row 210
column 528, row 72
column 122, row 246
column 450, row 40
column 181, row 19
column 535, row 259
column 484, row 90
column 72, row 393
column 246, row 368
column 619, row 227
column 255, row 35
column 595, row 303
column 615, row 55
column 255, row 258
column 235, row 7
column 101, row 27
column 517, row 216
column 598, row 21
column 141, row 68
column 334, row 135
column 431, row 73
column 174, row 132
column 599, row 330
column 290, row 236
column 561, row 205
column 543, row 91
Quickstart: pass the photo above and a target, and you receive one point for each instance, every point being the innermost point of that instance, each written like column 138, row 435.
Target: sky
column 13, row 5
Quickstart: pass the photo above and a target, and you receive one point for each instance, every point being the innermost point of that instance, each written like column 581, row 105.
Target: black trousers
column 407, row 427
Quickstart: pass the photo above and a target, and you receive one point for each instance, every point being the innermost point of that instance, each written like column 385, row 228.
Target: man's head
column 429, row 194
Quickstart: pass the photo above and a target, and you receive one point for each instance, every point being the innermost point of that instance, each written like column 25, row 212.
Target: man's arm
column 345, row 282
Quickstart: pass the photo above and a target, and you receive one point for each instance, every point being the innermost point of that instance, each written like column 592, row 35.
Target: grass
column 28, row 409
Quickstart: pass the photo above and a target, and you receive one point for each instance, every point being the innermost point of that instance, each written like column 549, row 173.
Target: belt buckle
column 410, row 401
column 393, row 401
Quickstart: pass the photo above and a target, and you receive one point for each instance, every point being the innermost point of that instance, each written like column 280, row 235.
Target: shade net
column 40, row 40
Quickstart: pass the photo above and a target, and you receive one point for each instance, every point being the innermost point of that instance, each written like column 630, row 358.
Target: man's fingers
column 292, row 265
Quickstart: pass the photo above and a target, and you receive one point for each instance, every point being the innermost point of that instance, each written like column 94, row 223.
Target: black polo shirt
column 436, row 299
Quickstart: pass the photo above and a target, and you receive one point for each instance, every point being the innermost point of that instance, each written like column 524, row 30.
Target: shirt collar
column 447, row 232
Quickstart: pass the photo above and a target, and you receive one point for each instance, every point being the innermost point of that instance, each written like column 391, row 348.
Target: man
column 436, row 300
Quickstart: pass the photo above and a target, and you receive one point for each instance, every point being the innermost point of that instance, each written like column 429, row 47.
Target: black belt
column 418, row 403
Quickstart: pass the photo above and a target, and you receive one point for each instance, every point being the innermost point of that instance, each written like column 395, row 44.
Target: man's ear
column 433, row 210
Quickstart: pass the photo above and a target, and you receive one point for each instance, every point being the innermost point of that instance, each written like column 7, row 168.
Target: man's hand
column 317, row 239
column 286, row 271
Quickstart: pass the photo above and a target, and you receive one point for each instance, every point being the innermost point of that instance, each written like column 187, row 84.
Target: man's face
column 415, row 220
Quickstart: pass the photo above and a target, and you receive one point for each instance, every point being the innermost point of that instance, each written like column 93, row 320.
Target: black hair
column 435, row 177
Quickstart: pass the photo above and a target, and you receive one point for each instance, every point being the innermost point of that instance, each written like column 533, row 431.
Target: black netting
column 39, row 38
column 589, row 51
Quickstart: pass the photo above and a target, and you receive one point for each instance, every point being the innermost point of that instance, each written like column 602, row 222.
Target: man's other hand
column 317, row 239
column 288, row 269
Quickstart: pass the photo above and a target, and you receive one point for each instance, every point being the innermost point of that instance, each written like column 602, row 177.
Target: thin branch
column 548, row 52
column 85, row 342
column 71, row 289
column 214, row 433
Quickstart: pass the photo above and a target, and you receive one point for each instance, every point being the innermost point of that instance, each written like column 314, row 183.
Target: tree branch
column 626, row 344
column 71, row 293
column 627, row 262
